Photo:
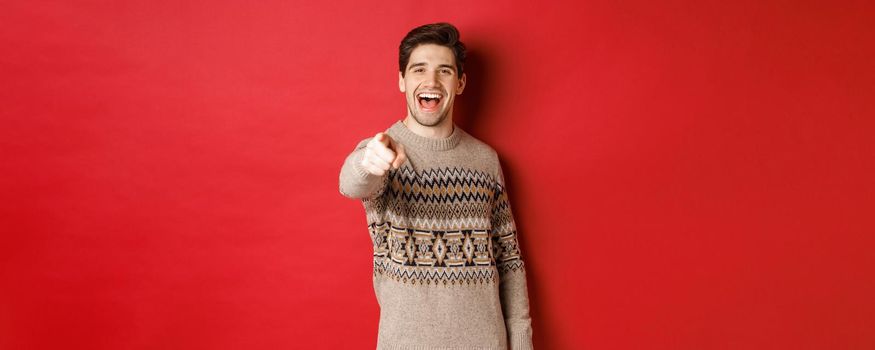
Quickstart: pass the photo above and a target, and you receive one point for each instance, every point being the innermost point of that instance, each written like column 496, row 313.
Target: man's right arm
column 355, row 181
column 365, row 171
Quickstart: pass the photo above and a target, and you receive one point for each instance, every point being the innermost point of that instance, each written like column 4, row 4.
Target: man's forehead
column 432, row 54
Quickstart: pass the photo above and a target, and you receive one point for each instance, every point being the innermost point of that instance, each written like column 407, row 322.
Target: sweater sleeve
column 513, row 287
column 355, row 181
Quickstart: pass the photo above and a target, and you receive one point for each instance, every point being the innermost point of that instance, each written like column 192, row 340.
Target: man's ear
column 462, row 83
column 401, row 83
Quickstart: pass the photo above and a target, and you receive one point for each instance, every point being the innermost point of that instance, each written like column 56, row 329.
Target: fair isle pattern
column 411, row 247
column 443, row 276
column 443, row 185
column 505, row 234
column 435, row 199
column 442, row 226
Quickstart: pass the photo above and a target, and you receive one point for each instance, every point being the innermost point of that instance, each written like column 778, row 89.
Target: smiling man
column 448, row 272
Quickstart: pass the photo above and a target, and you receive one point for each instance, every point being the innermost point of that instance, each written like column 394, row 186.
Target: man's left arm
column 513, row 287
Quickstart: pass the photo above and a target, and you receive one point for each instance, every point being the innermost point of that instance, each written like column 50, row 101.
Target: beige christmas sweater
column 448, row 272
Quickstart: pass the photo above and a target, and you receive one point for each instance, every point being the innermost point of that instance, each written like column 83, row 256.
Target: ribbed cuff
column 357, row 165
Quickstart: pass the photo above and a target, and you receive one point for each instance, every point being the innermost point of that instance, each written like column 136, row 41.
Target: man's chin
column 429, row 120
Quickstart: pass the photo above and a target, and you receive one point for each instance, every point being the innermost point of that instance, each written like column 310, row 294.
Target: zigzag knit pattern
column 442, row 185
column 435, row 276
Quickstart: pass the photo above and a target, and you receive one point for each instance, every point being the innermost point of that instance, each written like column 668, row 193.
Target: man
column 448, row 273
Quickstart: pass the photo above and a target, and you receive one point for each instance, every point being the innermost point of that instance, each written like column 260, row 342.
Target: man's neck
column 442, row 130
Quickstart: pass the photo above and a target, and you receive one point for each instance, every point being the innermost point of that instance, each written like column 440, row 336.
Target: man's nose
column 431, row 80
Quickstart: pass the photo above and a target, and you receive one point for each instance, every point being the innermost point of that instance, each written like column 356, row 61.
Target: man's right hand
column 383, row 153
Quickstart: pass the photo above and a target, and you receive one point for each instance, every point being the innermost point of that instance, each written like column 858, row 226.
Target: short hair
column 442, row 33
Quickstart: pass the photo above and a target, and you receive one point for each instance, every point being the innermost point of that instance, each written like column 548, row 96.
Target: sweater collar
column 410, row 138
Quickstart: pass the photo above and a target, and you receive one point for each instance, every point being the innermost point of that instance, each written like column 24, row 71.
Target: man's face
column 431, row 83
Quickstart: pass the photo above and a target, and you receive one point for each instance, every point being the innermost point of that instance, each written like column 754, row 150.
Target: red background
column 684, row 174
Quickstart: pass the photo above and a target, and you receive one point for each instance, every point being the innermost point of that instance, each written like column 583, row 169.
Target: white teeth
column 429, row 95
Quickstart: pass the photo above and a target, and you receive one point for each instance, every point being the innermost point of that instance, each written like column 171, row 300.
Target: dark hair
column 443, row 34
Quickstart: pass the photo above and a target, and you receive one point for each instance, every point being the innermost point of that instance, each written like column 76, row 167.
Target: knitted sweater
column 448, row 273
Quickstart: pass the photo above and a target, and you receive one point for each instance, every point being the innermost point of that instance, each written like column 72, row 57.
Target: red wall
column 685, row 175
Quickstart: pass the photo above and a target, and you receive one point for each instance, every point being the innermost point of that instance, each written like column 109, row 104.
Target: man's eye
column 446, row 71
column 418, row 70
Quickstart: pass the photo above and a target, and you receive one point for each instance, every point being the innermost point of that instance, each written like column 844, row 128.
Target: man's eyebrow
column 422, row 64
column 416, row 65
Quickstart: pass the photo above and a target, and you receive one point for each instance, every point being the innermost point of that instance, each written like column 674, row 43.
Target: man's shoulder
column 483, row 155
column 480, row 147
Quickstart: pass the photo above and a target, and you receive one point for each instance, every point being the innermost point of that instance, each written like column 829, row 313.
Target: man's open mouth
column 429, row 101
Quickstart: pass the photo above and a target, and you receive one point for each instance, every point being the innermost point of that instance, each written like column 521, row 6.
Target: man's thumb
column 400, row 156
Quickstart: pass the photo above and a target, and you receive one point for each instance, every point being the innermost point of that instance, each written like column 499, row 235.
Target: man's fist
column 383, row 153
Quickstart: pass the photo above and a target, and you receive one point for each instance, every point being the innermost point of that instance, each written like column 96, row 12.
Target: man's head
column 431, row 71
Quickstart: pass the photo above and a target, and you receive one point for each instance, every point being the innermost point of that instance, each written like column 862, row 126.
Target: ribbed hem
column 412, row 139
column 520, row 342
column 420, row 347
